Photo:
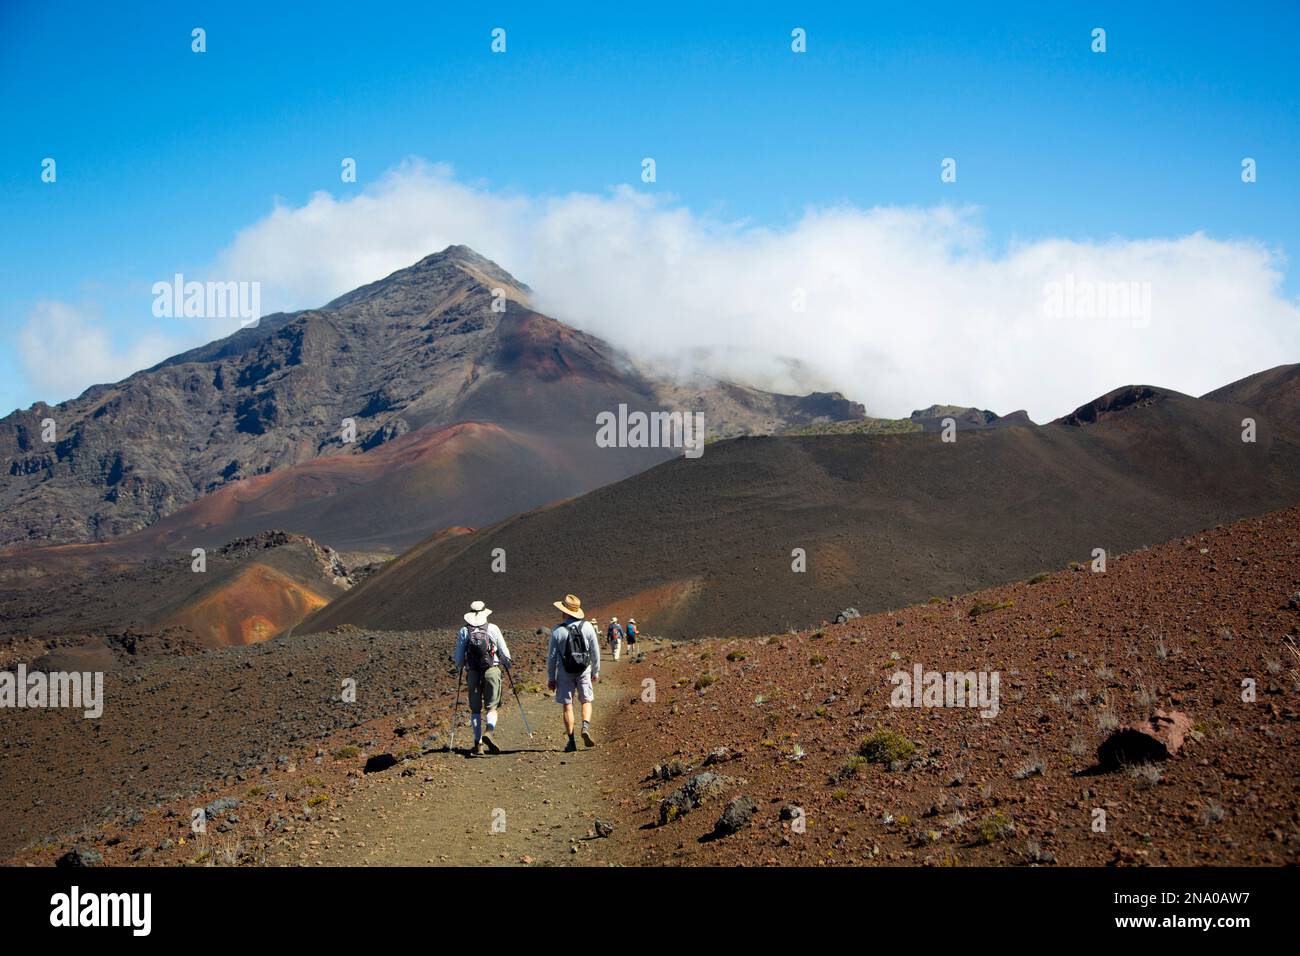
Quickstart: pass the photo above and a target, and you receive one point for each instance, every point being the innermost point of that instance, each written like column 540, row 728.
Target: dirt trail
column 530, row 804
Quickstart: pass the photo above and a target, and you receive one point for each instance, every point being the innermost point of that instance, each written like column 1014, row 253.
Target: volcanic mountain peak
column 455, row 272
column 448, row 340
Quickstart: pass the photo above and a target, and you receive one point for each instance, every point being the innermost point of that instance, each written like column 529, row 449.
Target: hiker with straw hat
column 573, row 665
column 482, row 651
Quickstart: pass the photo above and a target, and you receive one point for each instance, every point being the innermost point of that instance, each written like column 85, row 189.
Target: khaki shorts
column 477, row 681
column 566, row 684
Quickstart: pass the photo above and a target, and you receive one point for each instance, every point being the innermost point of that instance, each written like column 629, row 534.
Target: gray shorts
column 483, row 683
column 566, row 684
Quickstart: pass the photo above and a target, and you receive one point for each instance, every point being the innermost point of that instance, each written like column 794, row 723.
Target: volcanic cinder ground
column 1191, row 625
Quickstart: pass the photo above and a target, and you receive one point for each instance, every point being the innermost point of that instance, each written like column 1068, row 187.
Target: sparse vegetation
column 984, row 607
column 1147, row 773
column 886, row 746
column 994, row 827
column 851, row 766
column 1034, row 768
column 703, row 681
column 347, row 752
column 1040, row 577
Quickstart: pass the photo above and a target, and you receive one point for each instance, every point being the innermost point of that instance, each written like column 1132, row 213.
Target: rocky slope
column 715, row 545
column 409, row 360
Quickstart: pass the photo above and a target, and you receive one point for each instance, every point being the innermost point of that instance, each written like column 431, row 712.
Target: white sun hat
column 478, row 614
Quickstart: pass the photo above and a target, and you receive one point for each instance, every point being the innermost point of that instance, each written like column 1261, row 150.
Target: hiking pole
column 455, row 709
column 515, row 691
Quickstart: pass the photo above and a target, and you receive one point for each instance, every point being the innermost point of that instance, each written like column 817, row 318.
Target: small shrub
column 851, row 766
column 984, row 607
column 347, row 752
column 703, row 681
column 1034, row 768
column 994, row 827
column 1040, row 577
column 886, row 746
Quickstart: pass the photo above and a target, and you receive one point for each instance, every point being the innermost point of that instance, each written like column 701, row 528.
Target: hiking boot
column 476, row 750
column 491, row 744
column 586, row 737
column 571, row 746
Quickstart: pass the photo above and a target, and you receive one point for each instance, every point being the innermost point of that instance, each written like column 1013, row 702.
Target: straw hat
column 572, row 606
column 478, row 614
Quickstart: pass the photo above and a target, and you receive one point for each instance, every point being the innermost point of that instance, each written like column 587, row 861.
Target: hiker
column 631, row 633
column 615, row 636
column 595, row 626
column 573, row 664
column 482, row 651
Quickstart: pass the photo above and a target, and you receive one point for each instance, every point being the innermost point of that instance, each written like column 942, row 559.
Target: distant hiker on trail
column 482, row 651
column 615, row 636
column 631, row 634
column 573, row 664
column 595, row 626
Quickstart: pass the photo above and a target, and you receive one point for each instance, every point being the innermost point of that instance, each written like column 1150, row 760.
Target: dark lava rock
column 736, row 817
column 80, row 856
column 691, row 794
column 379, row 762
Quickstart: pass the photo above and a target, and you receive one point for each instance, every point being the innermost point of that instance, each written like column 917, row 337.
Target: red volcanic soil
column 432, row 477
column 1177, row 627
column 258, row 603
column 76, row 595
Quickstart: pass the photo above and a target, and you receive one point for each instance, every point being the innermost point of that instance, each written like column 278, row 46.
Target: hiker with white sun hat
column 614, row 634
column 573, row 666
column 481, row 650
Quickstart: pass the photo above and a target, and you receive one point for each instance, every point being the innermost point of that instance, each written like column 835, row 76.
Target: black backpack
column 575, row 655
column 478, row 648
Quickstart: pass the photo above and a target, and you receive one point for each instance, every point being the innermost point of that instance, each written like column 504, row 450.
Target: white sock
column 476, row 722
column 492, row 720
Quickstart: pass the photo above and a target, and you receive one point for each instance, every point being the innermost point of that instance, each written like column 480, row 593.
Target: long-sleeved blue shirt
column 553, row 662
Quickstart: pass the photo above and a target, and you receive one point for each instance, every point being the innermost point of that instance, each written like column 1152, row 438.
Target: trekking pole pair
column 455, row 707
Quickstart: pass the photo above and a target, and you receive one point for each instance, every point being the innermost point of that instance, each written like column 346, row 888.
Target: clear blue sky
column 164, row 154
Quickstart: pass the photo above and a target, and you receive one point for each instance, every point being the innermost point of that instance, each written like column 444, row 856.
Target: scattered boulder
column 603, row 829
column 1159, row 737
column 848, row 614
column 691, row 794
column 80, row 856
column 736, row 817
column 669, row 770
column 379, row 762
column 219, row 806
column 717, row 755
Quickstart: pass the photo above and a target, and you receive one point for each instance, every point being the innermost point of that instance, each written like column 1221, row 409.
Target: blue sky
column 164, row 155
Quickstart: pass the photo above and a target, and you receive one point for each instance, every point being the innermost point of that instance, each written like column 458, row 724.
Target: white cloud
column 904, row 306
column 65, row 349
